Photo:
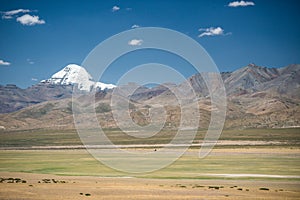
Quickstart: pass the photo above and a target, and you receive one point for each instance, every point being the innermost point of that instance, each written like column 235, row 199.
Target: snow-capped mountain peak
column 74, row 74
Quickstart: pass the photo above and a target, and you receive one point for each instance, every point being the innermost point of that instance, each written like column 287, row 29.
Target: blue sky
column 47, row 35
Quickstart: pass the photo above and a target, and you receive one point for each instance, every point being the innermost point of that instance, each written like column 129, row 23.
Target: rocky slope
column 13, row 98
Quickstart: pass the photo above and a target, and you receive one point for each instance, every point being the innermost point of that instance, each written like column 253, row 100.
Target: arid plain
column 260, row 165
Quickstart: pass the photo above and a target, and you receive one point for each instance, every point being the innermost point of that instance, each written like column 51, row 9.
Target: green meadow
column 268, row 159
column 27, row 138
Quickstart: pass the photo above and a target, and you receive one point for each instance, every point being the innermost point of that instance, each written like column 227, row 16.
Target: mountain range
column 257, row 97
column 58, row 86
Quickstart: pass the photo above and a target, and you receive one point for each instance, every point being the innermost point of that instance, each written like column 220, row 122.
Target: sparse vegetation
column 198, row 186
column 51, row 181
column 103, row 108
column 263, row 188
column 214, row 187
column 69, row 108
column 36, row 112
column 12, row 180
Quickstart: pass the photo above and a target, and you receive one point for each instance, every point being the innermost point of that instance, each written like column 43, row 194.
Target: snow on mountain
column 74, row 74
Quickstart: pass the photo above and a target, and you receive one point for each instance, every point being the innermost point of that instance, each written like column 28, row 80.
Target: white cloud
column 34, row 79
column 135, row 42
column 30, row 61
column 9, row 14
column 212, row 31
column 2, row 62
column 7, row 17
column 115, row 8
column 25, row 19
column 135, row 26
column 30, row 20
column 241, row 3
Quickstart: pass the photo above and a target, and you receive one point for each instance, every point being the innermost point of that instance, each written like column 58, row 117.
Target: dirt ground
column 28, row 186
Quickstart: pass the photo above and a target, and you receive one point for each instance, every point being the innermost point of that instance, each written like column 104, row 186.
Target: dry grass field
column 46, row 186
column 41, row 186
